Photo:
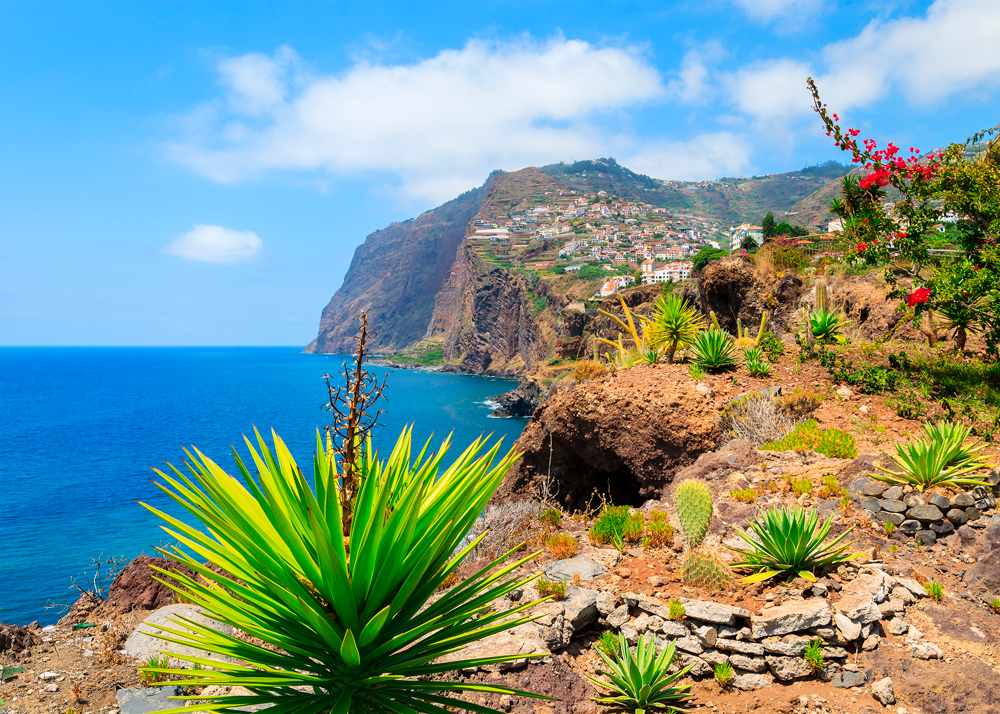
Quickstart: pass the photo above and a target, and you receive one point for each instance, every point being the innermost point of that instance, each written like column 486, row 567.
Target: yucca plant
column 674, row 324
column 825, row 325
column 941, row 458
column 343, row 612
column 713, row 350
column 789, row 541
column 641, row 681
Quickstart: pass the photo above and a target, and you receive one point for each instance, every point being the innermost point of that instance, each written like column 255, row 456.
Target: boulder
column 579, row 607
column 883, row 691
column 789, row 668
column 563, row 570
column 716, row 613
column 791, row 617
column 674, row 629
column 144, row 642
column 749, row 664
column 143, row 700
column 893, row 506
column 521, row 401
column 135, row 589
column 618, row 617
column 846, row 679
column 748, row 681
column 848, row 628
column 14, row 638
column 926, row 650
column 897, row 626
column 606, row 602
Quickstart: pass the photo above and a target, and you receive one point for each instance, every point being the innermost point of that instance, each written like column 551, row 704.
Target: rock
column 914, row 498
column 926, row 537
column 708, row 636
column 81, row 610
column 143, row 700
column 893, row 506
column 690, row 644
column 631, row 634
column 926, row 650
column 889, row 609
column 915, row 588
column 48, row 675
column 846, row 679
column 599, row 436
column 750, row 664
column 925, row 513
column 882, row 690
column 963, row 501
column 14, row 638
column 886, row 517
column 859, row 607
column 972, row 514
column 902, row 595
column 625, row 572
column 740, row 646
column 865, row 486
column 656, row 581
column 580, row 607
column 699, row 667
column 714, row 657
column 747, row 682
column 674, row 629
column 646, row 622
column 521, row 401
column 51, row 687
column 871, row 643
column 564, row 570
column 522, row 640
column 713, row 612
column 789, row 668
column 965, row 533
column 941, row 502
column 849, row 629
column 791, row 617
column 876, row 583
column 788, row 646
column 870, row 504
column 894, row 493
column 143, row 642
column 909, row 527
column 957, row 516
column 844, row 392
column 606, row 603
column 942, row 528
column 134, row 588
column 618, row 617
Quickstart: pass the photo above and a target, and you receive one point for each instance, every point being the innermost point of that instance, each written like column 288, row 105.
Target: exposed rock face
column 521, row 401
column 134, row 588
column 731, row 288
column 14, row 638
column 396, row 274
column 622, row 435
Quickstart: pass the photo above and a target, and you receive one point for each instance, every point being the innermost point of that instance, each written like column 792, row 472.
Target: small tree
column 768, row 225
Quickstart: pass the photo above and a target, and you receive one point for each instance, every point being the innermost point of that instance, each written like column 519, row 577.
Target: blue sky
column 201, row 173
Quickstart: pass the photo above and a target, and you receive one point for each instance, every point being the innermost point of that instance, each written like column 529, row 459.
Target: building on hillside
column 835, row 225
column 738, row 234
column 671, row 272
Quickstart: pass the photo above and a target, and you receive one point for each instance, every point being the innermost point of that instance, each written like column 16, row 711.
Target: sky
column 200, row 173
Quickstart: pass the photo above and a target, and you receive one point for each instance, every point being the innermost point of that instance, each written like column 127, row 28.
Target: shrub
column 547, row 588
column 327, row 621
column 724, row 674
column 789, row 541
column 753, row 358
column 675, row 324
column 830, row 487
column 889, row 528
column 503, row 527
column 633, row 528
column 588, row 369
column 800, row 404
column 642, row 680
column 713, row 350
column 941, row 458
column 809, row 437
column 676, row 610
column 756, row 418
column 562, row 546
column 155, row 669
column 746, row 495
column 814, row 655
column 609, row 528
column 801, row 485
column 551, row 517
column 772, row 346
column 995, row 604
column 935, row 590
column 606, row 643
column 661, row 533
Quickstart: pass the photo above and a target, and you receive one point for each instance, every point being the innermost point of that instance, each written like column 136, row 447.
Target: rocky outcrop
column 135, row 588
column 521, row 401
column 622, row 436
column 732, row 288
column 396, row 274
column 14, row 638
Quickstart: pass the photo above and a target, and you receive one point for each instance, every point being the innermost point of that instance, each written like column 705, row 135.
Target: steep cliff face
column 396, row 274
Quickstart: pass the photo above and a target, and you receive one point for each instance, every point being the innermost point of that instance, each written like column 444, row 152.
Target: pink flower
column 920, row 295
column 861, row 246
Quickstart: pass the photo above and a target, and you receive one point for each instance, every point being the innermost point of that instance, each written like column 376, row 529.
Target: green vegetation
column 814, row 655
column 830, row 442
column 789, row 541
column 941, row 458
column 642, row 680
column 660, row 532
column 801, row 486
column 995, row 604
column 705, row 256
column 745, row 495
column 547, row 588
column 693, row 501
column 155, row 669
column 826, row 325
column 561, row 546
column 724, row 674
column 713, row 351
column 676, row 610
column 753, row 358
column 615, row 526
column 551, row 517
column 675, row 324
column 607, row 642
column 705, row 571
column 935, row 590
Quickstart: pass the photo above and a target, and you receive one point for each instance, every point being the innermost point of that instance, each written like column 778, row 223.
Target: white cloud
column 693, row 81
column 215, row 244
column 703, row 157
column 770, row 91
column 440, row 124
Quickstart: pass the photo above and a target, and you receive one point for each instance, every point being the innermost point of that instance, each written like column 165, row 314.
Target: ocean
column 82, row 427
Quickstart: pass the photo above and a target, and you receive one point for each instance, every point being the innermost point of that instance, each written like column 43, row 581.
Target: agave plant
column 789, row 541
column 753, row 358
column 641, row 681
column 345, row 618
column 675, row 324
column 941, row 458
column 826, row 324
column 713, row 350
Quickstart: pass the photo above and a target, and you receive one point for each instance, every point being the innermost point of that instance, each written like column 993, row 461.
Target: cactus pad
column 702, row 570
column 694, row 510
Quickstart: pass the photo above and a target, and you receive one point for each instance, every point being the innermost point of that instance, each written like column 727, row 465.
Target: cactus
column 743, row 338
column 702, row 570
column 694, row 511
column 763, row 324
column 715, row 321
column 820, row 297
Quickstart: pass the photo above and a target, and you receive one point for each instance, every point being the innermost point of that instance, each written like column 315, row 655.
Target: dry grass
column 800, row 404
column 508, row 525
column 588, row 370
column 107, row 644
column 756, row 418
column 562, row 546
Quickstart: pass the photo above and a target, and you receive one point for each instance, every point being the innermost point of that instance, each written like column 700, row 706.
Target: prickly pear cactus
column 702, row 570
column 694, row 510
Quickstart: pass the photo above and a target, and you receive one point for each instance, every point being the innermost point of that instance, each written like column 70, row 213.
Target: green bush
column 772, row 346
column 831, row 442
column 610, row 527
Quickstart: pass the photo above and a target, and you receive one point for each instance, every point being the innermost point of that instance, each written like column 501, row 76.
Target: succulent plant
column 694, row 511
column 703, row 570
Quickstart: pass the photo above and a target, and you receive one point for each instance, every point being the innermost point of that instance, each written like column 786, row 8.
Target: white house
column 739, row 233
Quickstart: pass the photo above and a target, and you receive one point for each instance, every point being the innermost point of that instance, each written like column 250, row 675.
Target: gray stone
column 734, row 633
column 909, row 527
column 791, row 617
column 894, row 493
column 897, row 627
column 957, row 516
column 699, row 667
column 646, row 622
column 913, row 586
column 940, row 501
column 903, row 595
column 631, row 634
column 618, row 617
column 886, row 517
column 925, row 513
column 789, row 646
column 580, row 606
column 690, row 644
column 748, row 681
column 926, row 650
column 942, row 528
column 914, row 498
column 606, row 603
column 143, row 700
column 927, row 537
column 871, row 643
column 750, row 664
column 714, row 657
column 789, row 668
column 963, row 500
column 859, row 607
column 865, row 486
column 870, row 504
column 653, row 606
column 563, row 570
column 674, row 629
column 835, row 653
column 716, row 613
column 850, row 629
column 707, row 635
column 741, row 646
column 893, row 506
column 144, row 642
column 965, row 533
column 882, row 690
column 972, row 513
column 846, row 680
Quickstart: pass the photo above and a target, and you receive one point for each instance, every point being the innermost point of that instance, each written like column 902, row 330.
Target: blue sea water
column 80, row 429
